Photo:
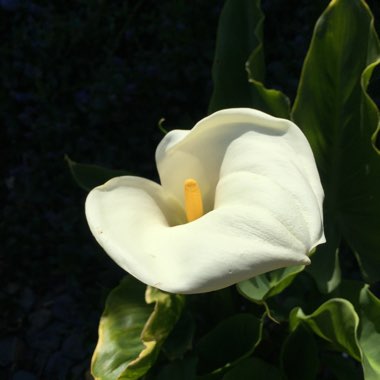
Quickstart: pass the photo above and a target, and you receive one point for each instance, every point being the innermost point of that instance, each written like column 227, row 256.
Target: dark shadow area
column 90, row 80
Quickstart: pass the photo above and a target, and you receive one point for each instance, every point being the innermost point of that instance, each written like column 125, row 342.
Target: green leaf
column 300, row 348
column 264, row 286
column 238, row 69
column 89, row 176
column 230, row 341
column 325, row 267
column 368, row 308
column 339, row 119
column 369, row 333
column 131, row 330
column 302, row 292
column 352, row 324
column 335, row 321
column 254, row 368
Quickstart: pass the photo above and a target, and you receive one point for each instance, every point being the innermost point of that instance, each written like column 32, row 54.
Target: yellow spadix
column 193, row 200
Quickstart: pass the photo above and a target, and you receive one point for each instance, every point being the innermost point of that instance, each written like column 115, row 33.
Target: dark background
column 91, row 79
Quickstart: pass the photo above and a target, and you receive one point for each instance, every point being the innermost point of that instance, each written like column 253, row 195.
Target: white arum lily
column 240, row 195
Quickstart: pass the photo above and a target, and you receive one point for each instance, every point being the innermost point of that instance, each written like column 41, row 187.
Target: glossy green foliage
column 239, row 70
column 351, row 324
column 262, row 287
column 336, row 321
column 339, row 119
column 367, row 307
column 134, row 324
column 88, row 176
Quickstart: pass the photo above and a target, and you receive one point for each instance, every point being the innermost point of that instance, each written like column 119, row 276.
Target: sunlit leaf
column 133, row 327
column 369, row 333
column 335, row 321
column 259, row 288
column 339, row 119
column 367, row 305
column 88, row 176
column 238, row 69
column 351, row 324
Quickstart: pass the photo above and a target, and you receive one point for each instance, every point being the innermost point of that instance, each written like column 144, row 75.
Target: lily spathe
column 240, row 195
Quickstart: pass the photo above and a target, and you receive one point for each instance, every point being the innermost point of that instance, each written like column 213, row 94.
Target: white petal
column 199, row 153
column 130, row 218
column 259, row 174
column 121, row 214
column 258, row 195
column 306, row 162
column 277, row 148
column 274, row 158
